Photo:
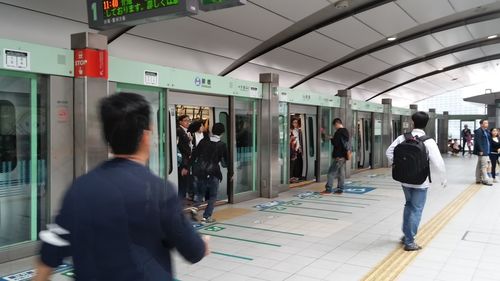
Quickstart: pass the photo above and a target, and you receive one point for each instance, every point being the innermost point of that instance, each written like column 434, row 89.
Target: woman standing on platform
column 495, row 150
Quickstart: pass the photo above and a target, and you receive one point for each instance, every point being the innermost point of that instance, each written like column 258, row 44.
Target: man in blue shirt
column 119, row 221
column 482, row 143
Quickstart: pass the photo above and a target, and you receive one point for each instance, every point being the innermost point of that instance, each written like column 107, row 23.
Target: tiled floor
column 343, row 237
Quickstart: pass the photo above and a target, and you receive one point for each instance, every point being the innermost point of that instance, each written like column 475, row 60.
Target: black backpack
column 204, row 164
column 411, row 162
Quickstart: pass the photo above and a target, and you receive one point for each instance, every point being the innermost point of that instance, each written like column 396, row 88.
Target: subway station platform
column 303, row 235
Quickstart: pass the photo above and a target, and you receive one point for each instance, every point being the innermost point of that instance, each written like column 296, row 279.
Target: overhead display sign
column 107, row 14
column 210, row 5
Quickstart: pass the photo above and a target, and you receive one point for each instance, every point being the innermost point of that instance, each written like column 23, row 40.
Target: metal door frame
column 174, row 97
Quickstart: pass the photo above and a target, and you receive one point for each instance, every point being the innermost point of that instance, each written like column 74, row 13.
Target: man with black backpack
column 410, row 156
column 341, row 153
column 206, row 170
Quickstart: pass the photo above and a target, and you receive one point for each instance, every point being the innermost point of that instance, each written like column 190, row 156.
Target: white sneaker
column 495, row 180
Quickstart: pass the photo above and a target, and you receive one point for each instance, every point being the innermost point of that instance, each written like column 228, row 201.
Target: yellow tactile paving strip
column 301, row 184
column 230, row 213
column 398, row 260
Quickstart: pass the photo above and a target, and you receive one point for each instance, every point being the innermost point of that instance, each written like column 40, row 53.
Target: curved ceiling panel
column 446, row 69
column 460, row 19
column 457, row 48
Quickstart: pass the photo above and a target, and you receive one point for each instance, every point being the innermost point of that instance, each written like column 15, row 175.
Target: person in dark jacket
column 119, row 222
column 482, row 148
column 340, row 142
column 184, row 140
column 467, row 139
column 198, row 133
column 205, row 165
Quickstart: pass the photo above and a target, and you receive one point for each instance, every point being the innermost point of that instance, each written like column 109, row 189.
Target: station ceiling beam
column 320, row 19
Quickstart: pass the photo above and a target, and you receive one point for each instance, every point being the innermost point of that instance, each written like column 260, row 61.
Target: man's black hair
column 182, row 117
column 218, row 129
column 337, row 120
column 124, row 118
column 195, row 126
column 482, row 121
column 420, row 120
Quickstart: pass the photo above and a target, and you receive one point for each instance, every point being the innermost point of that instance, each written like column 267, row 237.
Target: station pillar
column 497, row 114
column 347, row 118
column 413, row 109
column 386, row 130
column 443, row 133
column 430, row 129
column 492, row 113
column 269, row 136
column 90, row 86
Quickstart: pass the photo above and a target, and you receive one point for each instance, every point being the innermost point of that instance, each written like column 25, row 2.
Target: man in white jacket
column 416, row 195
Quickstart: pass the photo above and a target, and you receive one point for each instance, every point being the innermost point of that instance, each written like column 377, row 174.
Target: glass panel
column 155, row 97
column 283, row 145
column 246, row 148
column 377, row 145
column 23, row 159
column 326, row 133
column 8, row 155
column 224, row 119
column 310, row 121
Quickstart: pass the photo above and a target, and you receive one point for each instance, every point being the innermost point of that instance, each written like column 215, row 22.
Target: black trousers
column 185, row 185
column 296, row 167
column 494, row 159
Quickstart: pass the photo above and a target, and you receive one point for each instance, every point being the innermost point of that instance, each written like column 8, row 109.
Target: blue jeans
column 207, row 188
column 337, row 170
column 415, row 202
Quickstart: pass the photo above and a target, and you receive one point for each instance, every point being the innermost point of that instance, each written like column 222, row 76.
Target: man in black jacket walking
column 119, row 222
column 183, row 154
column 206, row 170
column 340, row 142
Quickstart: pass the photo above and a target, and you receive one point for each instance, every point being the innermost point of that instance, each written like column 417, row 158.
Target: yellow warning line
column 390, row 268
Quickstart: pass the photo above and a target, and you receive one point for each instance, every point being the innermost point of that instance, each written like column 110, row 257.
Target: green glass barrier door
column 326, row 131
column 155, row 97
column 245, row 150
column 23, row 158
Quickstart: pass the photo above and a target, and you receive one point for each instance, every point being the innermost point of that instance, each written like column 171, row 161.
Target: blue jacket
column 119, row 223
column 481, row 142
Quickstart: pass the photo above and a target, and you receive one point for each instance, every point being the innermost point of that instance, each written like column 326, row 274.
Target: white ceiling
column 209, row 42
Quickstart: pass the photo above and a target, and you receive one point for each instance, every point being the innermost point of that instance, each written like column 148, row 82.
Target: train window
column 224, row 119
column 367, row 135
column 8, row 138
column 310, row 125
